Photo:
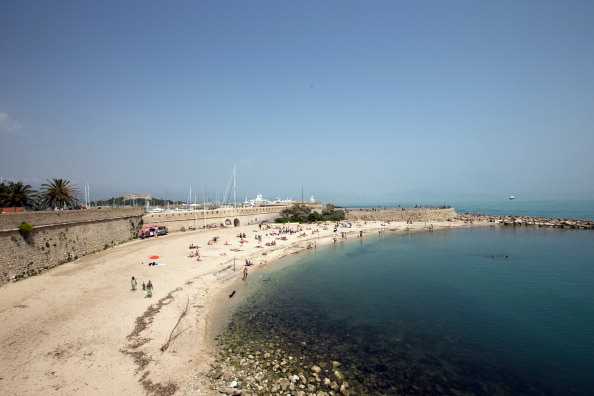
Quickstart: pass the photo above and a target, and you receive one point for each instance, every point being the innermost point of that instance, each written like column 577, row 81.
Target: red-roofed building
column 12, row 210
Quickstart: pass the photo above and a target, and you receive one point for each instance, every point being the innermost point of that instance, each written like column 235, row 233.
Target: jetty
column 520, row 221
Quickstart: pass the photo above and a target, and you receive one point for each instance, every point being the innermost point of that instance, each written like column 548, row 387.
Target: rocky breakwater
column 402, row 214
column 519, row 221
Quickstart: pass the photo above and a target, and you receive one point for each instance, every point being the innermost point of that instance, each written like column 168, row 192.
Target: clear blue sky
column 347, row 99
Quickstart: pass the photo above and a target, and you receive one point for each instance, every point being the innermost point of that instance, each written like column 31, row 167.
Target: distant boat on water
column 512, row 197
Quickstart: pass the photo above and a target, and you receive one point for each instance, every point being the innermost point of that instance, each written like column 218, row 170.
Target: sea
column 574, row 207
column 487, row 310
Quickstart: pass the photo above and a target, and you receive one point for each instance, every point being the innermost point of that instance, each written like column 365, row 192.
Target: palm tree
column 3, row 189
column 17, row 194
column 57, row 193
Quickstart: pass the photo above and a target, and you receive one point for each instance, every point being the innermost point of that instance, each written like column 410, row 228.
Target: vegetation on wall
column 302, row 213
column 25, row 229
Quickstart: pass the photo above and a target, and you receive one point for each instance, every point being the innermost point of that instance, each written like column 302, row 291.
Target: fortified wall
column 403, row 214
column 180, row 221
column 61, row 236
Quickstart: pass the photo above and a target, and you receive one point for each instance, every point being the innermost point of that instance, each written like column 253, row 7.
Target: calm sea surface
column 436, row 313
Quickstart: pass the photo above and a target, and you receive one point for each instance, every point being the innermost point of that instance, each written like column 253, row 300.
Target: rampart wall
column 61, row 236
column 177, row 221
column 400, row 214
column 12, row 220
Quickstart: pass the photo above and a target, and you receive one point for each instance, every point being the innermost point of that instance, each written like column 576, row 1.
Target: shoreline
column 79, row 328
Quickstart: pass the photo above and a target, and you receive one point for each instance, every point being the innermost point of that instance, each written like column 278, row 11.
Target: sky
column 342, row 100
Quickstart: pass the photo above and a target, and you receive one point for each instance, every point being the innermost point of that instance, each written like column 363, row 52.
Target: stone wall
column 176, row 221
column 12, row 220
column 61, row 236
column 399, row 214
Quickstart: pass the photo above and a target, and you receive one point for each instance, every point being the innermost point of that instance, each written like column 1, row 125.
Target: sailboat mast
column 234, row 181
column 204, row 208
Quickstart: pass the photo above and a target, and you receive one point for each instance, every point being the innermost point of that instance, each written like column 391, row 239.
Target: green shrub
column 314, row 216
column 296, row 218
column 25, row 229
column 337, row 215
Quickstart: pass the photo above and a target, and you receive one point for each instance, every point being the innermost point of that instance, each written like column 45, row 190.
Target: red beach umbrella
column 154, row 257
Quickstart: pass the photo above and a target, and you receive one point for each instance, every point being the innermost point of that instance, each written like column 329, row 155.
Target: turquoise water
column 436, row 313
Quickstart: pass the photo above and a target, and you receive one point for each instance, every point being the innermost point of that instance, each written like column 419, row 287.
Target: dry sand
column 79, row 329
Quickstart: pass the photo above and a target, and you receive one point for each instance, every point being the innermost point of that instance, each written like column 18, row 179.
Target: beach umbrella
column 154, row 257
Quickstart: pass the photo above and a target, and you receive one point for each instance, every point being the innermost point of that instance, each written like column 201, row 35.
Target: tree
column 329, row 209
column 3, row 191
column 337, row 215
column 17, row 195
column 297, row 213
column 58, row 193
column 315, row 216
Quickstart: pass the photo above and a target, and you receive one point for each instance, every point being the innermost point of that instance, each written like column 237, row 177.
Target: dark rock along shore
column 526, row 221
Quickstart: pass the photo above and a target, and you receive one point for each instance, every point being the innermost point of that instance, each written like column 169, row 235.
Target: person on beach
column 133, row 283
column 143, row 287
column 149, row 289
column 245, row 273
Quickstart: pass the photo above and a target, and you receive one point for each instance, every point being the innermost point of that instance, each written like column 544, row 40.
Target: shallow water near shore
column 434, row 312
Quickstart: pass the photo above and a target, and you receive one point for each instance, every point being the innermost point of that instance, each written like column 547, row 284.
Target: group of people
column 194, row 254
column 147, row 288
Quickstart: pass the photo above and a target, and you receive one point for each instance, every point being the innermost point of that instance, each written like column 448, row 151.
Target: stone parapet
column 13, row 220
column 232, row 217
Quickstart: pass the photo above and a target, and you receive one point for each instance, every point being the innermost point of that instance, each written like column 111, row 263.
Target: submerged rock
column 339, row 375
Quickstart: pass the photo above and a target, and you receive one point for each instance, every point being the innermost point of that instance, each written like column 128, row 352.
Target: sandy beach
column 80, row 329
